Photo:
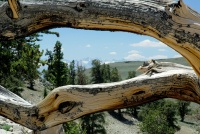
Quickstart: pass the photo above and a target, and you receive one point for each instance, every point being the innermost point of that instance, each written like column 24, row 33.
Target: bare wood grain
column 161, row 80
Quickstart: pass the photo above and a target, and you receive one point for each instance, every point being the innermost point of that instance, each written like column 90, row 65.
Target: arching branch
column 169, row 21
column 161, row 80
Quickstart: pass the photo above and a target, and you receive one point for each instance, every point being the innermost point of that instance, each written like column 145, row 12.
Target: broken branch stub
column 160, row 80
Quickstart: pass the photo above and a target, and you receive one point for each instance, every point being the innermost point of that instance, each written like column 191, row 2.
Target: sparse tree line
column 20, row 61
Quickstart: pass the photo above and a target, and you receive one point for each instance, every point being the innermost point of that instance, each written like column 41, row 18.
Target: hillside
column 126, row 66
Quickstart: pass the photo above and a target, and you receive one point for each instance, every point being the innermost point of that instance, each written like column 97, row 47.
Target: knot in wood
column 65, row 107
column 80, row 6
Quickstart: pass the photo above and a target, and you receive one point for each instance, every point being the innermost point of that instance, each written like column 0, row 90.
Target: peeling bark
column 161, row 80
column 14, row 9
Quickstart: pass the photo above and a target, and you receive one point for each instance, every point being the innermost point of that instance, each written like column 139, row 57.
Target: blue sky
column 85, row 45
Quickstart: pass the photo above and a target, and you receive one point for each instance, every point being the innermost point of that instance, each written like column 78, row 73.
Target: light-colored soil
column 34, row 96
column 14, row 128
column 114, row 126
column 187, row 130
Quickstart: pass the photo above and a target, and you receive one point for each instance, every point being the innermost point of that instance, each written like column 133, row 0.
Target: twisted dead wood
column 160, row 80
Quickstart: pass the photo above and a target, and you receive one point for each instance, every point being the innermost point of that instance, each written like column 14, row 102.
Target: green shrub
column 159, row 117
column 72, row 128
column 156, row 123
column 5, row 127
column 183, row 108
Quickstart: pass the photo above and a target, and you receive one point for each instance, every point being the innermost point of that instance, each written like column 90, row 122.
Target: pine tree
column 32, row 54
column 49, row 73
column 57, row 72
column 183, row 108
column 156, row 123
column 20, row 61
column 96, row 73
column 159, row 117
column 6, row 58
column 45, row 93
column 21, row 58
column 101, row 73
column 81, row 78
column 93, row 123
column 115, row 75
column 131, row 74
column 58, row 64
column 28, row 58
column 72, row 73
column 105, row 72
column 72, row 128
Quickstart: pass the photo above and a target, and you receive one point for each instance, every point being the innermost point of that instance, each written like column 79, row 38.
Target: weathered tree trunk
column 170, row 21
column 161, row 80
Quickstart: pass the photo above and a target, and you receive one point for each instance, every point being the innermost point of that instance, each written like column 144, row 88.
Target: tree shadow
column 189, row 123
column 120, row 118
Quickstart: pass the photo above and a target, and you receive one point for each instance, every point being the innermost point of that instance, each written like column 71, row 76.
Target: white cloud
column 134, row 56
column 148, row 43
column 65, row 61
column 108, row 62
column 177, row 56
column 85, row 62
column 112, row 53
column 133, row 52
column 88, row 46
column 158, row 57
column 161, row 50
column 62, row 49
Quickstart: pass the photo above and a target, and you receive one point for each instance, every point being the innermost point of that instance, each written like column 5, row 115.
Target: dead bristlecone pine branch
column 159, row 80
column 170, row 21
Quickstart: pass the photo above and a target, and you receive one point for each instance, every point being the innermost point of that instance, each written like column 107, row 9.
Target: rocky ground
column 9, row 127
column 113, row 126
